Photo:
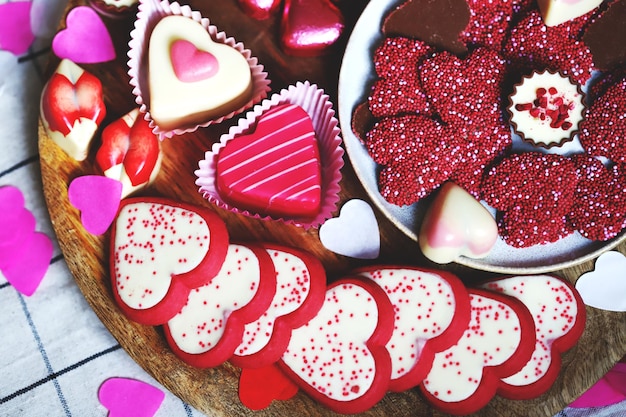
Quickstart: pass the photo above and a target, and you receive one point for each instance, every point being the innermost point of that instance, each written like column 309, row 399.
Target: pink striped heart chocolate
column 275, row 169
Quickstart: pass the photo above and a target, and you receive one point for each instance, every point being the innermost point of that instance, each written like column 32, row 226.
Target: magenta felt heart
column 125, row 397
column 16, row 34
column 24, row 254
column 98, row 199
column 191, row 64
column 17, row 226
column 26, row 274
column 85, row 40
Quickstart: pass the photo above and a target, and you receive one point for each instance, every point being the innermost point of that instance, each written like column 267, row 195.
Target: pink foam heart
column 85, row 40
column 605, row 286
column 354, row 233
column 191, row 64
column 16, row 34
column 98, row 199
column 125, row 397
column 26, row 274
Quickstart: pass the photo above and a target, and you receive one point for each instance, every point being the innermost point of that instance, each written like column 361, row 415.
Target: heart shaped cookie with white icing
column 191, row 77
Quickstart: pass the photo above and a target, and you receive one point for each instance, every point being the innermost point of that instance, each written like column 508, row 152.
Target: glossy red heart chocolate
column 310, row 27
column 275, row 169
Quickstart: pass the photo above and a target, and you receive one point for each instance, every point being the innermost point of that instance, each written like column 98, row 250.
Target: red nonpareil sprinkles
column 526, row 227
column 416, row 154
column 603, row 132
column 398, row 89
column 600, row 209
column 439, row 117
column 398, row 54
column 480, row 144
column 532, row 45
column 464, row 90
column 401, row 138
column 489, row 22
column 534, row 192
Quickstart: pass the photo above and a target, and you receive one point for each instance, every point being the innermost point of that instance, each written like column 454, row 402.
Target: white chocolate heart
column 456, row 224
column 555, row 12
column 174, row 103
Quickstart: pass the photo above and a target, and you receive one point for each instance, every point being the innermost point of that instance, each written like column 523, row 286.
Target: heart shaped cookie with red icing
column 276, row 168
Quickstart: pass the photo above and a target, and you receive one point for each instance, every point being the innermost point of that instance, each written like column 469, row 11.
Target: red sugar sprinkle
column 531, row 44
column 534, row 192
column 398, row 89
column 489, row 22
column 398, row 54
column 603, row 132
column 464, row 90
column 600, row 209
column 417, row 157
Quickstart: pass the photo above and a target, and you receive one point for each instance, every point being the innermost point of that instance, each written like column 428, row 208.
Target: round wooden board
column 214, row 391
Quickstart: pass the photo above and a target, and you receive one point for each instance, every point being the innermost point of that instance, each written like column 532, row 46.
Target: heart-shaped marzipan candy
column 191, row 77
column 275, row 169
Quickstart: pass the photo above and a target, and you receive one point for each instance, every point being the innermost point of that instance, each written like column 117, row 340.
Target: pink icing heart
column 98, row 199
column 26, row 275
column 85, row 40
column 191, row 64
column 125, row 397
column 16, row 34
column 354, row 233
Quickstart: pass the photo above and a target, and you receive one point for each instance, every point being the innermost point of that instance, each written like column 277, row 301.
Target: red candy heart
column 258, row 387
column 310, row 27
column 274, row 170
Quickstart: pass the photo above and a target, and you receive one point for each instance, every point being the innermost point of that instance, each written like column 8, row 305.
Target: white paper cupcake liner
column 320, row 110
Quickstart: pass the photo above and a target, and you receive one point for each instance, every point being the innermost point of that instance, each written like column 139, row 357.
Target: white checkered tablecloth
column 54, row 352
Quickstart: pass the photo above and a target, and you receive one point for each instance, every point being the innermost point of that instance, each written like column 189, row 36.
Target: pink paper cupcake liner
column 148, row 15
column 316, row 103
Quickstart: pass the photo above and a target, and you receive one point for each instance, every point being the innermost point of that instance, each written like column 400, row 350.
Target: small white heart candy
column 605, row 286
column 354, row 233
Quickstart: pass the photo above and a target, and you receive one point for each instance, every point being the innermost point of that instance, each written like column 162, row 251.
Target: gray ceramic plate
column 356, row 76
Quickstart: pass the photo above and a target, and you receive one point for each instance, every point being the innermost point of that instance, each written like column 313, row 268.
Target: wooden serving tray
column 214, row 391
